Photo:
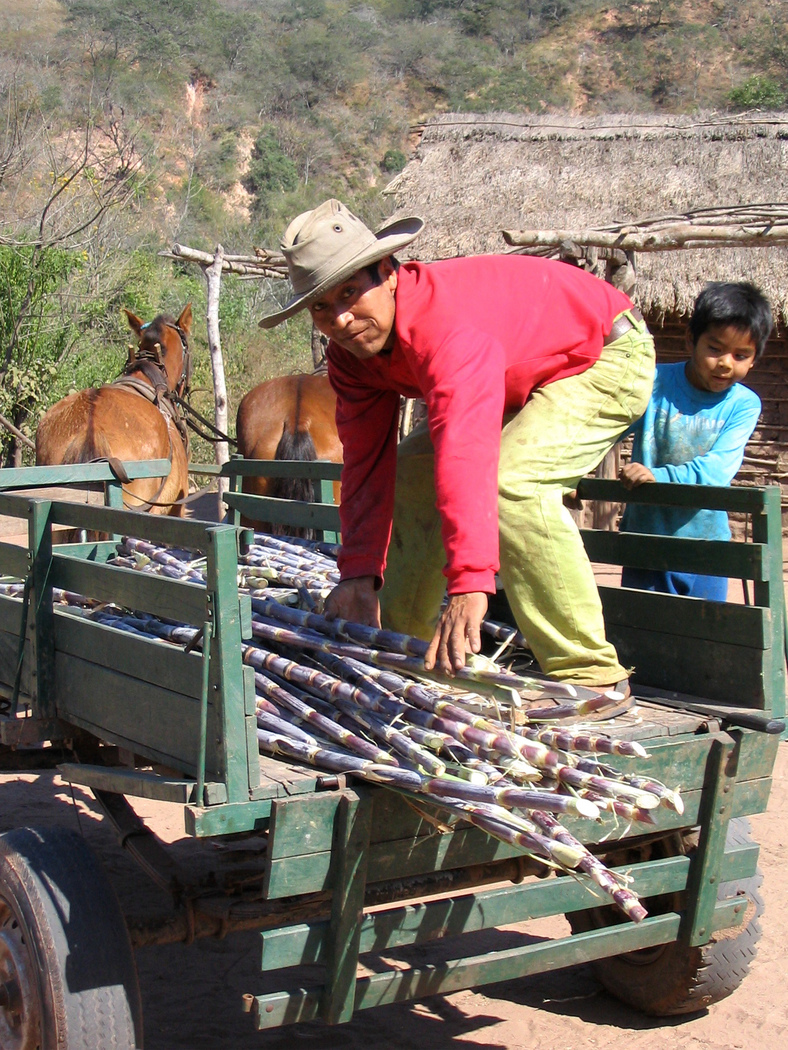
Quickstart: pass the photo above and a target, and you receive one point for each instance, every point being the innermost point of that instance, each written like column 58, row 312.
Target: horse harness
column 157, row 390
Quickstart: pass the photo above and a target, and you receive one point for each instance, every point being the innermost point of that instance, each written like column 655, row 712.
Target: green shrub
column 757, row 92
column 394, row 160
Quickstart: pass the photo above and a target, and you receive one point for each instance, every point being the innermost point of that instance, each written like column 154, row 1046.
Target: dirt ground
column 192, row 995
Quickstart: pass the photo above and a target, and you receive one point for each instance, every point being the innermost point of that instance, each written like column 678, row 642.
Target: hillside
column 206, row 121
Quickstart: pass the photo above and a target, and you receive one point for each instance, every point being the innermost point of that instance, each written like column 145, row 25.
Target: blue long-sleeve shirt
column 694, row 437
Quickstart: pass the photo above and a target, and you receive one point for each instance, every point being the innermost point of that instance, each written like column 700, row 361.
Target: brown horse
column 133, row 418
column 291, row 417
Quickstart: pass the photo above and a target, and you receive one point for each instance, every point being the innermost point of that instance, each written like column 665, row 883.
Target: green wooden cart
column 350, row 874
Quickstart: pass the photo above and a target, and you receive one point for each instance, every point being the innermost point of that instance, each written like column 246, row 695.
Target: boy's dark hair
column 736, row 303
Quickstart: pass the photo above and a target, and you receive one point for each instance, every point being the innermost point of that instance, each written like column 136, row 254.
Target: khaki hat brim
column 388, row 240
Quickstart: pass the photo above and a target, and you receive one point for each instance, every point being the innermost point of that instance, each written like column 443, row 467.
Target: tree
column 60, row 185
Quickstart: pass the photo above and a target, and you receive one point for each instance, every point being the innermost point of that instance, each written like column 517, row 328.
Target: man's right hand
column 355, row 600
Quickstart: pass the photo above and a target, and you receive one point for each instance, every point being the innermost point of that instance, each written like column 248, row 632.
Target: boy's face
column 722, row 356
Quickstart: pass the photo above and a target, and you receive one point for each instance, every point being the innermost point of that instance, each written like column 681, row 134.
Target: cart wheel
column 67, row 974
column 668, row 979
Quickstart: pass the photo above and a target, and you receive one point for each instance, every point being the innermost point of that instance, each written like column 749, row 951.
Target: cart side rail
column 729, row 653
column 192, row 711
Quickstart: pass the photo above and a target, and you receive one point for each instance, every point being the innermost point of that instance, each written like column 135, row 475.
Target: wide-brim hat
column 325, row 246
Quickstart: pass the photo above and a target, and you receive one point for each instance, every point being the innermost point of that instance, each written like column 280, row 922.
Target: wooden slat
column 323, row 516
column 173, row 599
column 443, row 977
column 744, row 561
column 14, row 560
column 410, row 924
column 748, row 626
column 149, row 660
column 728, row 673
column 149, row 720
column 128, row 782
column 707, row 497
column 317, row 469
column 77, row 473
column 159, row 528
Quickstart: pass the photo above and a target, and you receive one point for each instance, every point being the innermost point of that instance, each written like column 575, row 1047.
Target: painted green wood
column 158, row 528
column 767, row 528
column 711, row 497
column 314, row 470
column 301, row 825
column 323, row 516
column 746, row 561
column 39, row 619
column 14, row 560
column 757, row 756
column 99, row 552
column 128, row 782
column 231, row 741
column 152, row 661
column 228, row 819
column 731, row 674
column 750, row 797
column 208, row 469
column 409, row 924
column 172, row 599
column 301, row 1004
column 348, row 882
column 9, row 655
column 326, row 495
column 152, row 721
column 743, row 625
column 706, row 867
column 77, row 473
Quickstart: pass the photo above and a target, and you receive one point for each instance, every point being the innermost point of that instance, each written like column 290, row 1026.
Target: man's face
column 722, row 356
column 359, row 314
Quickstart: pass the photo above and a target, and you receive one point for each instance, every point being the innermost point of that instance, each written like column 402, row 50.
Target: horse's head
column 165, row 343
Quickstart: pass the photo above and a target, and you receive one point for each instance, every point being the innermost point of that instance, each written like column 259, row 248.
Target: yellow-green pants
column 562, row 433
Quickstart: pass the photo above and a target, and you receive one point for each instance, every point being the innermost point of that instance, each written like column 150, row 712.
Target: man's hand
column 634, row 474
column 355, row 600
column 458, row 630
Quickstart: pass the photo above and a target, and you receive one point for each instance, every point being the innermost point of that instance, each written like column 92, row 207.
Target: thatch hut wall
column 473, row 177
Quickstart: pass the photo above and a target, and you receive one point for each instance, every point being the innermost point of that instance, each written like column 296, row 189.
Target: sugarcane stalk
column 626, row 900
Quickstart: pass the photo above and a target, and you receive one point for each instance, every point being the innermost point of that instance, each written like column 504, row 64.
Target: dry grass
column 475, row 176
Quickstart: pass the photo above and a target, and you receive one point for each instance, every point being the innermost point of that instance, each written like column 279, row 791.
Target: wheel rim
column 20, row 997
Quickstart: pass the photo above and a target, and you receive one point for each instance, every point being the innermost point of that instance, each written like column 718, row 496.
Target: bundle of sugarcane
column 345, row 697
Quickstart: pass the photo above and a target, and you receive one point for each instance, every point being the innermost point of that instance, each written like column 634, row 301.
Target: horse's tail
column 295, row 445
column 86, row 448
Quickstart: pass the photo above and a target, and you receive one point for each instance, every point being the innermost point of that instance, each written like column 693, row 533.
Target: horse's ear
column 185, row 320
column 135, row 322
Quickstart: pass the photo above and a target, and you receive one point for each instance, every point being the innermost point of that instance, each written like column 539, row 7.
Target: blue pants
column 687, row 584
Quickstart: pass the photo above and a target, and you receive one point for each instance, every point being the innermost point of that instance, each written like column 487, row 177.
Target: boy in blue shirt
column 696, row 426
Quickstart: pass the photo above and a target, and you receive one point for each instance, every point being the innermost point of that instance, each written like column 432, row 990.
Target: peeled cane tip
column 674, row 801
column 637, row 912
column 566, row 856
column 582, row 807
column 646, row 801
column 636, row 749
column 614, row 694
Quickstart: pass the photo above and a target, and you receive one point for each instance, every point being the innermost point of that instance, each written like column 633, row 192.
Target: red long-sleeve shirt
column 473, row 337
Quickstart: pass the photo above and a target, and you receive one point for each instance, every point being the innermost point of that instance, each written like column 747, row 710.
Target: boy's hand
column 634, row 474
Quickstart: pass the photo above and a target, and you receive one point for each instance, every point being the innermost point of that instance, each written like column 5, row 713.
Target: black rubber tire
column 67, row 975
column 669, row 980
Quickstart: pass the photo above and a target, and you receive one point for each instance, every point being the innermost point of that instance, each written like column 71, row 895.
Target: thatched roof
column 473, row 176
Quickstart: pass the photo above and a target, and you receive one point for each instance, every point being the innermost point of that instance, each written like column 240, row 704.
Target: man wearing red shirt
column 531, row 370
